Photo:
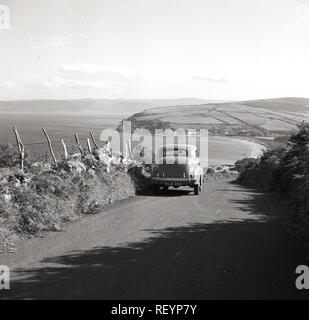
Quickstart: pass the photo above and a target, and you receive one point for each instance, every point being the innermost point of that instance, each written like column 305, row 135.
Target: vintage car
column 177, row 165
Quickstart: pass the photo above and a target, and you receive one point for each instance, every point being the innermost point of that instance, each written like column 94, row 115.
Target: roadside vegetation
column 43, row 196
column 284, row 170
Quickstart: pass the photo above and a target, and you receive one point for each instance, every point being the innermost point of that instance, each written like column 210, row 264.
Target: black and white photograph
column 154, row 154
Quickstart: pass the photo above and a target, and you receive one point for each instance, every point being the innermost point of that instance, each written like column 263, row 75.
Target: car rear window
column 176, row 152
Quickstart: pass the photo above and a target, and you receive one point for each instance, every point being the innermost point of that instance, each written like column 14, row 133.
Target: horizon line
column 149, row 99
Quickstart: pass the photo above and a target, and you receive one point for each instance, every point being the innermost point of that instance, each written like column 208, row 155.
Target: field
column 244, row 118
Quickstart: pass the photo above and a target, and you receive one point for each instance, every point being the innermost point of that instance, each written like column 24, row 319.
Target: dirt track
column 226, row 243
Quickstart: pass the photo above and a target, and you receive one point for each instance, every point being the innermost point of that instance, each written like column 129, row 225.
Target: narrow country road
column 226, row 243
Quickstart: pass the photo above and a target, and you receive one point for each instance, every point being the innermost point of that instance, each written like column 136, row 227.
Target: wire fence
column 52, row 141
column 55, row 149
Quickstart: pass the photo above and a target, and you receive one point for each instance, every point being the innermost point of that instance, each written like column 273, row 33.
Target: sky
column 139, row 49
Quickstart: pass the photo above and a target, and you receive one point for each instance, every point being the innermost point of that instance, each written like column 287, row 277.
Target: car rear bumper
column 175, row 181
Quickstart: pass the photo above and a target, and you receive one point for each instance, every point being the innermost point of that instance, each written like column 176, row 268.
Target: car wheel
column 196, row 189
column 165, row 188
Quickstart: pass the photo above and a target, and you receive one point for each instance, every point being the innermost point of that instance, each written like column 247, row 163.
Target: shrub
column 284, row 170
column 42, row 198
column 9, row 156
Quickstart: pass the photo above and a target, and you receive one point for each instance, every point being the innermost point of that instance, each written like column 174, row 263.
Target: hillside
column 249, row 118
column 97, row 106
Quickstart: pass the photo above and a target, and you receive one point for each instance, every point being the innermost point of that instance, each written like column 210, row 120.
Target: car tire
column 196, row 189
column 165, row 188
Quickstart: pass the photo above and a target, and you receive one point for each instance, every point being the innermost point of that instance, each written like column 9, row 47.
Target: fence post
column 130, row 149
column 50, row 147
column 93, row 140
column 78, row 144
column 21, row 148
column 65, row 149
column 89, row 145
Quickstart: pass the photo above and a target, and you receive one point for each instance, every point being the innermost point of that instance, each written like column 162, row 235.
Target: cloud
column 11, row 89
column 91, row 69
column 7, row 86
column 58, row 82
column 210, row 79
column 54, row 41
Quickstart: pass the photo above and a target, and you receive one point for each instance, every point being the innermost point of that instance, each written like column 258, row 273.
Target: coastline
column 258, row 147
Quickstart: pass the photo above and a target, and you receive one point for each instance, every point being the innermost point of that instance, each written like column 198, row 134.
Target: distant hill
column 105, row 106
column 248, row 118
column 289, row 105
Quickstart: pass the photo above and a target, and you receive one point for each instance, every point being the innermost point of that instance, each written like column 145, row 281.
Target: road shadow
column 171, row 192
column 248, row 259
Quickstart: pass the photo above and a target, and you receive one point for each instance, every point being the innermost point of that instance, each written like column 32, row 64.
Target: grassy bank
column 44, row 196
column 284, row 170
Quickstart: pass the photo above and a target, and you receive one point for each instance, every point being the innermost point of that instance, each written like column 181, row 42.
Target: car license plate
column 172, row 183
